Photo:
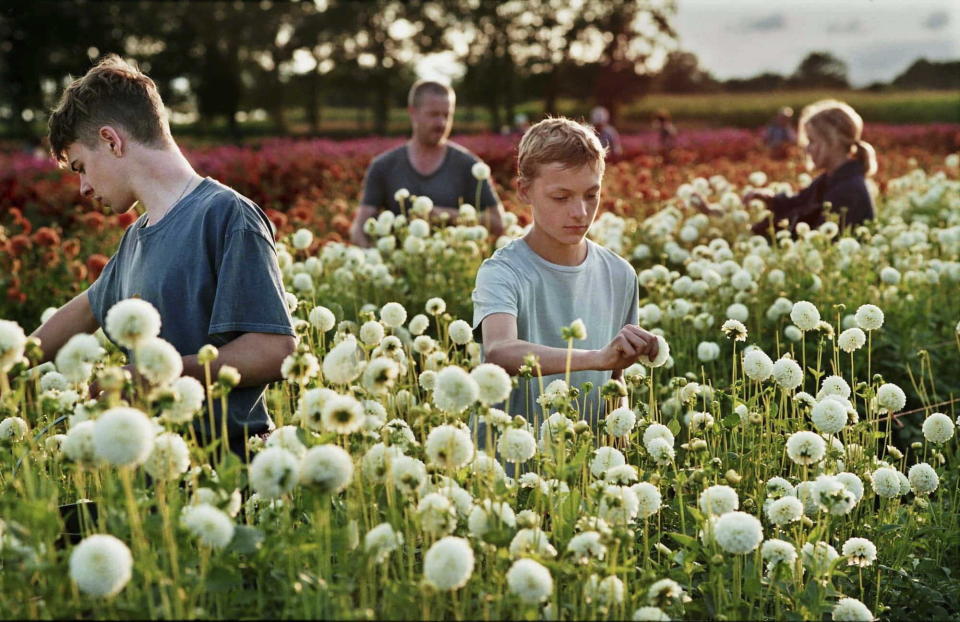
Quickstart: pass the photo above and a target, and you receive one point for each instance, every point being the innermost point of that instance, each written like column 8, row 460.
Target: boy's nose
column 85, row 188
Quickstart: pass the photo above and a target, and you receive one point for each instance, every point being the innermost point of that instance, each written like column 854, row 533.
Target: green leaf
column 223, row 579
column 246, row 540
column 674, row 426
column 683, row 539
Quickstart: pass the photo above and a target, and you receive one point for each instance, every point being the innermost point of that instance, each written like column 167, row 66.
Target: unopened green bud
column 112, row 379
column 207, row 354
column 228, row 376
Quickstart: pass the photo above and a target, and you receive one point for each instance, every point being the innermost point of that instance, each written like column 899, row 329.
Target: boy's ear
column 112, row 139
column 523, row 189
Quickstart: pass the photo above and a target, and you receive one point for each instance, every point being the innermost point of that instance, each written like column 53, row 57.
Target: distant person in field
column 521, row 123
column 536, row 285
column 666, row 133
column 609, row 136
column 830, row 133
column 201, row 253
column 778, row 135
column 429, row 164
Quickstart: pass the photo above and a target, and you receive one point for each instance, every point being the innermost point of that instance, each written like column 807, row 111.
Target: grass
column 689, row 110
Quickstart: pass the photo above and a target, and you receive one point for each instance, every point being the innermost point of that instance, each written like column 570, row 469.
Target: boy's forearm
column 257, row 360
column 70, row 319
column 510, row 355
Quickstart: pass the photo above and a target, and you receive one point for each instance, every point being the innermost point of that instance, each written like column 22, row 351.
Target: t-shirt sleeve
column 375, row 185
column 496, row 291
column 249, row 290
column 633, row 307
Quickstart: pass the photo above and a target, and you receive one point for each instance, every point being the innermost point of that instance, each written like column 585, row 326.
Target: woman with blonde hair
column 830, row 133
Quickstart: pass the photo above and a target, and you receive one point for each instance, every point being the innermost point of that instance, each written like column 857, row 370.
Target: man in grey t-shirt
column 427, row 165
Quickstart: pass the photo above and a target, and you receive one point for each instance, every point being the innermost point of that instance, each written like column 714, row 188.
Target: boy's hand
column 627, row 347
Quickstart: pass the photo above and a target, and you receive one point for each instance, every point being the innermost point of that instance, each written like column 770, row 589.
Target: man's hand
column 627, row 347
column 357, row 236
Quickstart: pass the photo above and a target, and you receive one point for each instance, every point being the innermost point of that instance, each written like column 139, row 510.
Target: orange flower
column 93, row 220
column 341, row 224
column 95, row 265
column 15, row 295
column 19, row 244
column 45, row 236
column 78, row 270
column 127, row 218
column 71, row 248
column 51, row 259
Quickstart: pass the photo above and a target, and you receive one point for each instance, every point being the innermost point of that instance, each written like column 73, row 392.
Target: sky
column 877, row 39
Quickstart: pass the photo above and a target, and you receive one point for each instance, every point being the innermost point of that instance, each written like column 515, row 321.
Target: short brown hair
column 113, row 92
column 428, row 87
column 562, row 140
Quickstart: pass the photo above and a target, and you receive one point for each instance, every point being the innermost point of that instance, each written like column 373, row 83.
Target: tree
column 628, row 32
column 923, row 74
column 681, row 73
column 820, row 70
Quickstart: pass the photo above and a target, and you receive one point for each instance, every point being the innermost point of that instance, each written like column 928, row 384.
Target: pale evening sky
column 877, row 39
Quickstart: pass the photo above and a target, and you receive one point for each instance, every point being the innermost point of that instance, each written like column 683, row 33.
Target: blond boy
column 534, row 286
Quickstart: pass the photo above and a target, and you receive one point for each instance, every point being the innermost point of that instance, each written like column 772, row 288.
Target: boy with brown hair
column 534, row 286
column 201, row 253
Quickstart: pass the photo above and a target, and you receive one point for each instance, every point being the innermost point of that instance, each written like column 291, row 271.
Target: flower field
column 790, row 455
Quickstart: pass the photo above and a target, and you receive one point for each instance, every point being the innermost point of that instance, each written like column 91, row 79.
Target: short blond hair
column 839, row 123
column 560, row 140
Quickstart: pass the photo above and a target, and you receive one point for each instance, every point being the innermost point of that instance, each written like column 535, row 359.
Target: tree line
column 220, row 58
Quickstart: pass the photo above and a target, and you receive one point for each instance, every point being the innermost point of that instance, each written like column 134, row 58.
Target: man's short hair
column 113, row 92
column 422, row 88
column 559, row 140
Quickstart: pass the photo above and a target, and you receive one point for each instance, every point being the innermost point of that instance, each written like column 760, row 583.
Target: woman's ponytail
column 866, row 155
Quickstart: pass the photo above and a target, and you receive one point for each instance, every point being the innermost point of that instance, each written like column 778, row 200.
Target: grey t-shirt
column 210, row 268
column 450, row 185
column 544, row 297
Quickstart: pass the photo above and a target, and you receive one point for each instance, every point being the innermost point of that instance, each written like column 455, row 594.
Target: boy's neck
column 554, row 251
column 165, row 177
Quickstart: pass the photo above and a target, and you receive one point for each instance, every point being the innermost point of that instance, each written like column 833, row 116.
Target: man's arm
column 357, row 236
column 257, row 356
column 74, row 317
column 502, row 347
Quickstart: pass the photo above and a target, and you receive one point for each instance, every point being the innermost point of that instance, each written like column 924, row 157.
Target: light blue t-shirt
column 544, row 297
column 210, row 268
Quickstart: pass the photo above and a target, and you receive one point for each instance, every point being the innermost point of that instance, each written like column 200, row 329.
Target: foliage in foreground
column 753, row 474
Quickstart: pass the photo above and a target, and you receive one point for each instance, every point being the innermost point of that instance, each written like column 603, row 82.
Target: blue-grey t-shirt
column 544, row 297
column 210, row 268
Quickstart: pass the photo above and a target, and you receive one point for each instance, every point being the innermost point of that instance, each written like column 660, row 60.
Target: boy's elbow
column 496, row 354
column 283, row 346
